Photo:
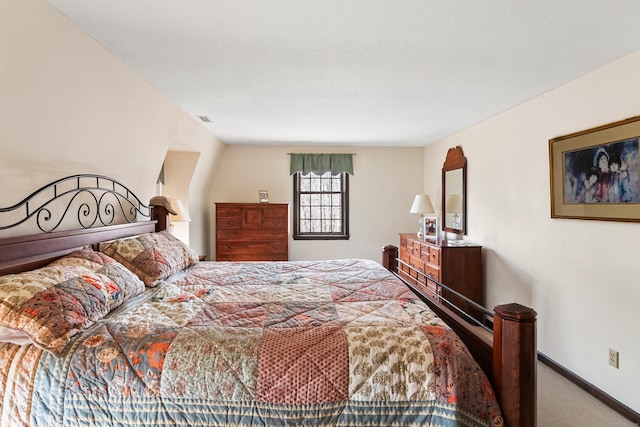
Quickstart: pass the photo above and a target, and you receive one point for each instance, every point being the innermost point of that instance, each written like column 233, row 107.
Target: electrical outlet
column 613, row 358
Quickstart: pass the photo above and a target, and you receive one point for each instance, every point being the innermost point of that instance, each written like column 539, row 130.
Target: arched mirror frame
column 455, row 161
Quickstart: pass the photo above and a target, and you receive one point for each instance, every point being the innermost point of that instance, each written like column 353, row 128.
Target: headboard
column 104, row 209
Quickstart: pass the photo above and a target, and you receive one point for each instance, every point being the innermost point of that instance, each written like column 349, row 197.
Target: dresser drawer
column 430, row 254
column 278, row 223
column 228, row 211
column 432, row 272
column 281, row 212
column 414, row 248
column 228, row 223
column 263, row 250
column 252, row 257
column 404, row 257
column 403, row 244
column 242, row 237
column 434, row 255
column 417, row 264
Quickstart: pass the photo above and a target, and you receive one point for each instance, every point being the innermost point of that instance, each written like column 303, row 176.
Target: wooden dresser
column 252, row 232
column 456, row 266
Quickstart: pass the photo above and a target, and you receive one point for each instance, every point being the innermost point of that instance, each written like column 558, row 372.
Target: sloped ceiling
column 363, row 72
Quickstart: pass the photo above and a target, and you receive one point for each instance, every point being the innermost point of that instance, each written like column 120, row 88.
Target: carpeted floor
column 563, row 404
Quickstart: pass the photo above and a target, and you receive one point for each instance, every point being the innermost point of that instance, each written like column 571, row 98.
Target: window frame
column 297, row 234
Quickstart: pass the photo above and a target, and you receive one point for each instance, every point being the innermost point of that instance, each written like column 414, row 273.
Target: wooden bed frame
column 508, row 356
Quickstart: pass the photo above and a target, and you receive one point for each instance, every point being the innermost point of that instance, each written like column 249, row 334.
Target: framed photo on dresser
column 430, row 227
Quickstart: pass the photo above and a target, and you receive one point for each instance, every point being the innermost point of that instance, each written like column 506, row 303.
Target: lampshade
column 422, row 205
column 182, row 215
column 454, row 203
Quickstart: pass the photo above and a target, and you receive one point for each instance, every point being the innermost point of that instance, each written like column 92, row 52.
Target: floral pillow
column 153, row 256
column 53, row 303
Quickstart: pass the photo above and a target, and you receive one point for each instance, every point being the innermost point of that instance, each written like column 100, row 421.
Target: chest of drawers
column 252, row 232
column 456, row 266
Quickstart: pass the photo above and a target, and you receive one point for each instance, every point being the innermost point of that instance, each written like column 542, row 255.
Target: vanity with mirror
column 453, row 262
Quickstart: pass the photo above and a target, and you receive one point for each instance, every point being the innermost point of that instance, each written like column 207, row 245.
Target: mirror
column 454, row 192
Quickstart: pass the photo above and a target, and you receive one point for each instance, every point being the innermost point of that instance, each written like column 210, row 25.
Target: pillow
column 153, row 256
column 53, row 303
column 130, row 285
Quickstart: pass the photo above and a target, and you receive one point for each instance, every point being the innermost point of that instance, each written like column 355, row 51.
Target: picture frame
column 430, row 227
column 594, row 173
column 263, row 196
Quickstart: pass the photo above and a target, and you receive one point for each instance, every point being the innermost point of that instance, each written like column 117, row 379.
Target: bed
column 122, row 325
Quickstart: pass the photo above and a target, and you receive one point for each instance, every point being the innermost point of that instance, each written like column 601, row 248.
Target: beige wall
column 582, row 277
column 67, row 106
column 382, row 189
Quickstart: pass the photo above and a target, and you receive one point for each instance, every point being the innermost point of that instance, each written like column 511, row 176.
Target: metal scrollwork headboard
column 92, row 198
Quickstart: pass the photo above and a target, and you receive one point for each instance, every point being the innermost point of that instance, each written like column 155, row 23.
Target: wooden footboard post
column 390, row 258
column 514, row 363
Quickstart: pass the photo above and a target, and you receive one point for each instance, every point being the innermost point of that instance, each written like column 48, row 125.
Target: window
column 321, row 206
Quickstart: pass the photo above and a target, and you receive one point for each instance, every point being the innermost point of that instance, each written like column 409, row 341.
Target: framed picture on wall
column 263, row 195
column 430, row 227
column 594, row 173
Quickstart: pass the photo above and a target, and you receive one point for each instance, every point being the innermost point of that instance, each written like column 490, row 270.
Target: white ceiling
column 356, row 72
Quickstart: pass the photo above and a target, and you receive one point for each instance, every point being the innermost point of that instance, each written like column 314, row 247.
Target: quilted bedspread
column 286, row 343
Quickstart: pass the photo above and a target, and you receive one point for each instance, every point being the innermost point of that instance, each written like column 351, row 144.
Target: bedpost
column 160, row 214
column 514, row 363
column 390, row 258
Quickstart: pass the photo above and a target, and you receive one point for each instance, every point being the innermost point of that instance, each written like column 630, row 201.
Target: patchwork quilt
column 325, row 343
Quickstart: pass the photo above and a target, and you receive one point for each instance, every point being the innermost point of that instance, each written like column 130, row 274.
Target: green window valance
column 321, row 163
